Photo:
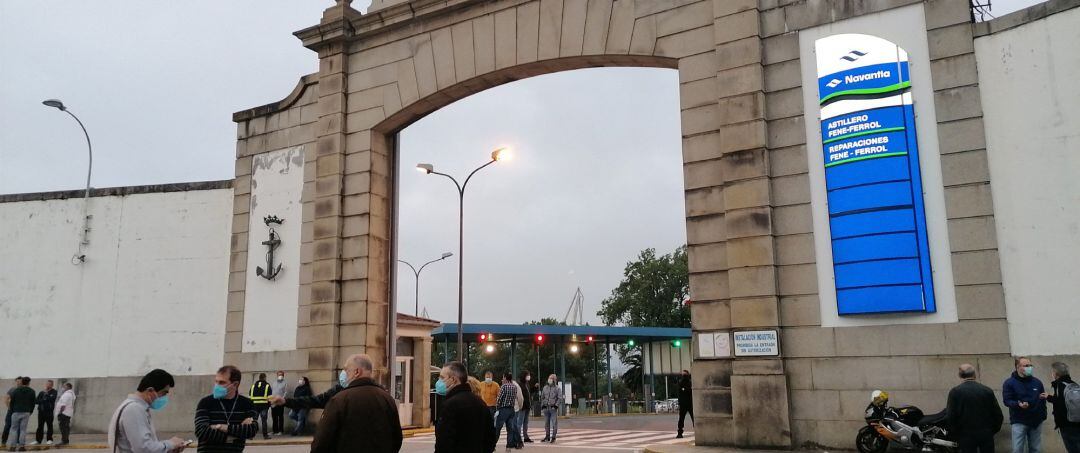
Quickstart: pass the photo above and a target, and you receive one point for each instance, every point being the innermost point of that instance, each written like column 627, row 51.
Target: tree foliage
column 652, row 293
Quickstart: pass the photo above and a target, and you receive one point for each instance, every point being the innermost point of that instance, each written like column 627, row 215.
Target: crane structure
column 575, row 314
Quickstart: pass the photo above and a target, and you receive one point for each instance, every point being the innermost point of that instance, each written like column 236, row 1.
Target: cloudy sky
column 596, row 179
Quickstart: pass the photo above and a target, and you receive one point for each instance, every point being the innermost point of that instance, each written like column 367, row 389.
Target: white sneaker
column 48, row 443
column 33, row 443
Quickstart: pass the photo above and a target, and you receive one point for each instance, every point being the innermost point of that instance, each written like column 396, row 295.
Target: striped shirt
column 225, row 412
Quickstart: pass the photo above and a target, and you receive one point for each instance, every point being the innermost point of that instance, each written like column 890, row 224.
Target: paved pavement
column 630, row 433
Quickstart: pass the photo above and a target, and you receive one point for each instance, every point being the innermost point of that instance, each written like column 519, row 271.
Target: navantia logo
column 853, row 55
column 833, row 83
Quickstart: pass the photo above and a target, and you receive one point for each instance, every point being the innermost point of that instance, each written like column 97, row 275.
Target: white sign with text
column 757, row 343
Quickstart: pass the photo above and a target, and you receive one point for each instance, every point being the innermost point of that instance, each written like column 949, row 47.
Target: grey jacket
column 551, row 395
column 279, row 388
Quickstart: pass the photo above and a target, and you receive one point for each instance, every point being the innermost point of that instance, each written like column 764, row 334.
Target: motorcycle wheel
column 869, row 441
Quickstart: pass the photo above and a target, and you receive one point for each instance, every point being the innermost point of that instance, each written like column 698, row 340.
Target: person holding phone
column 225, row 420
column 131, row 429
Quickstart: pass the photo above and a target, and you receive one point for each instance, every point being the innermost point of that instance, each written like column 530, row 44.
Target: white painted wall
column 270, row 306
column 904, row 26
column 1031, row 108
column 151, row 294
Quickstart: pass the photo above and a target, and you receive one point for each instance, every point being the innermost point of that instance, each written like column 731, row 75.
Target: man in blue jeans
column 551, row 399
column 1025, row 397
column 506, row 413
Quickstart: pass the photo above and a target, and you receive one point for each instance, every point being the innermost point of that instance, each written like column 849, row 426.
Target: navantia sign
column 881, row 257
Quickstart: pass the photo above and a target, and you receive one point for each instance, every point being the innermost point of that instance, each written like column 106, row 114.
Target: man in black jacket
column 1070, row 431
column 973, row 413
column 46, row 401
column 465, row 424
column 686, row 401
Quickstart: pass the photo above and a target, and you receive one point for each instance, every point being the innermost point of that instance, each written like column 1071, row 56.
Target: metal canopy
column 561, row 334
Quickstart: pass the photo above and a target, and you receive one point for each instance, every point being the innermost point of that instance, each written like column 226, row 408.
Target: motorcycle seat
column 933, row 419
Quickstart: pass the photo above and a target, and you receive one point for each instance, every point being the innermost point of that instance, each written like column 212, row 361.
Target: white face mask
column 300, row 382
column 551, row 381
column 528, row 378
column 487, row 379
column 280, row 378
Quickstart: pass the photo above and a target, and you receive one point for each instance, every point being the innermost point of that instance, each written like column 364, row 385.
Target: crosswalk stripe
column 619, row 437
column 647, row 440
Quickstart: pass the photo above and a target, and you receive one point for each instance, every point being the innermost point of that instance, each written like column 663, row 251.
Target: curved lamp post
column 417, row 273
column 79, row 256
column 500, row 154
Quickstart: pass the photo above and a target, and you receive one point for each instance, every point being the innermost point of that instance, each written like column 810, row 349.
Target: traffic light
column 630, row 342
column 676, row 343
column 588, row 339
column 483, row 337
column 539, row 339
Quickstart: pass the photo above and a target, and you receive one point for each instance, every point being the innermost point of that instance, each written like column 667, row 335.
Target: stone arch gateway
column 749, row 213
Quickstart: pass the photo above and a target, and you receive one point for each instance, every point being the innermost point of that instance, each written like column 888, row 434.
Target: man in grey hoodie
column 551, row 400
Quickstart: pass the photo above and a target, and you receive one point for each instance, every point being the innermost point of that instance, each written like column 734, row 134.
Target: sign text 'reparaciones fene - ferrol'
column 877, row 222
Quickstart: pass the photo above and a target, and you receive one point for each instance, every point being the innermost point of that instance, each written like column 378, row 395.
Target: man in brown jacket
column 362, row 417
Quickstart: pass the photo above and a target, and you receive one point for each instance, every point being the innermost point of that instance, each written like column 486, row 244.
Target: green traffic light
column 677, row 343
column 630, row 343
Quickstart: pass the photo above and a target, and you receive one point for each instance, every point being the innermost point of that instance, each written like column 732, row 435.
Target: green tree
column 652, row 293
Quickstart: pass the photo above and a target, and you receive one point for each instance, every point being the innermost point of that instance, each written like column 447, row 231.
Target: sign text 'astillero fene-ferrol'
column 271, row 244
column 881, row 257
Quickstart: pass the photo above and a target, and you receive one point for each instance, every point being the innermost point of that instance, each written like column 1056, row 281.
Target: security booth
column 662, row 350
column 411, row 376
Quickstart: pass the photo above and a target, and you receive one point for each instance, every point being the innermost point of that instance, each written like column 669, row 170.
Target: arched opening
column 597, row 178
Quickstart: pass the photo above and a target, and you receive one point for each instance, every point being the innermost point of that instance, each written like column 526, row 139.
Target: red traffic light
column 483, row 337
column 539, row 338
column 588, row 339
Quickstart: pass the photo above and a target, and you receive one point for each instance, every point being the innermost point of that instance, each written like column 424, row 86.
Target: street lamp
column 417, row 273
column 79, row 256
column 500, row 154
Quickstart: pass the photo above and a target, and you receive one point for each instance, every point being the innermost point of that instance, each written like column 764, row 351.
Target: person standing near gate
column 362, row 417
column 551, row 399
column 973, row 414
column 1066, row 401
column 65, row 409
column 464, row 423
column 225, row 420
column 526, row 405
column 7, row 416
column 686, row 401
column 22, row 405
column 131, row 429
column 489, row 391
column 260, row 395
column 46, row 402
column 506, row 412
column 279, row 388
column 1025, row 396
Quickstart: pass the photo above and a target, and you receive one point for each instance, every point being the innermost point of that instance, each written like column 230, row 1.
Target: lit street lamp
column 428, row 169
column 79, row 256
column 417, row 273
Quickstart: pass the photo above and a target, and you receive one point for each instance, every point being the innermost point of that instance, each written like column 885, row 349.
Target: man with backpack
column 1066, row 401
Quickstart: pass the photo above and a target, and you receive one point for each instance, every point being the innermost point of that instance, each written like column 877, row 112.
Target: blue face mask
column 343, row 378
column 1029, row 371
column 440, row 387
column 220, row 391
column 159, row 403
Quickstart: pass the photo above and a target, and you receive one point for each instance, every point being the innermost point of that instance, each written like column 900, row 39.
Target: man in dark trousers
column 973, row 413
column 225, row 419
column 465, row 424
column 361, row 418
column 7, row 416
column 260, row 395
column 46, row 402
column 1070, row 431
column 686, row 401
column 1025, row 396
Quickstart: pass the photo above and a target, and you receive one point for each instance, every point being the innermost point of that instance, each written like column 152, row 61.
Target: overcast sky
column 596, row 179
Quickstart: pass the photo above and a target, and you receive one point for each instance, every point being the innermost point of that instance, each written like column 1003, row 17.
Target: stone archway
column 379, row 72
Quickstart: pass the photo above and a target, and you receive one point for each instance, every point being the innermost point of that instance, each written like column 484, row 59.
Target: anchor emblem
column 270, row 272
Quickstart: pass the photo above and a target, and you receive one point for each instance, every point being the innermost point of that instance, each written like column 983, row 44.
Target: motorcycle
column 906, row 426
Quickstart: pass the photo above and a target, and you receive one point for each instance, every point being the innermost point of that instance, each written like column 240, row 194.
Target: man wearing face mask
column 489, row 391
column 551, row 400
column 225, row 420
column 131, row 429
column 465, row 425
column 280, row 388
column 1025, row 396
column 361, row 417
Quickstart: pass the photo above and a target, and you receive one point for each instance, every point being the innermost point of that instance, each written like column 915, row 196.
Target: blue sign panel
column 877, row 221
